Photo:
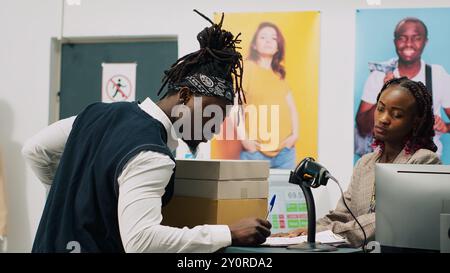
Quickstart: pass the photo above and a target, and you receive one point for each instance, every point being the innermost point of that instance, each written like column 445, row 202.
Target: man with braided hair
column 111, row 168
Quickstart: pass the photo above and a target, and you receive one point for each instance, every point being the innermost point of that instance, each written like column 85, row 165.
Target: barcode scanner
column 310, row 174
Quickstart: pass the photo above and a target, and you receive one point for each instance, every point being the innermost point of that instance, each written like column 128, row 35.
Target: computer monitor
column 409, row 201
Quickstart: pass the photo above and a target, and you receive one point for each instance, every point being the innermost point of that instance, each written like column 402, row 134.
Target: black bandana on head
column 206, row 85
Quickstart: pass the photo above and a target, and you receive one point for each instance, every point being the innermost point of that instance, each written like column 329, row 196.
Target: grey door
column 81, row 70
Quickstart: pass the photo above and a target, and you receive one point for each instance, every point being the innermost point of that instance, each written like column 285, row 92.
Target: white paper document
column 325, row 237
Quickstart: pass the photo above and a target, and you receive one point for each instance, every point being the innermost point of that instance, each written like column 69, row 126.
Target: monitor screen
column 409, row 201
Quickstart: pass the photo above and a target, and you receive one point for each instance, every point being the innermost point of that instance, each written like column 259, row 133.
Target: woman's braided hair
column 421, row 136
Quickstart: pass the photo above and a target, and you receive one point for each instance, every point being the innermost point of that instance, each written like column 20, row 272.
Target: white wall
column 28, row 26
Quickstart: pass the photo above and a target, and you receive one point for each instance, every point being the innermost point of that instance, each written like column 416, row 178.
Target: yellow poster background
column 301, row 31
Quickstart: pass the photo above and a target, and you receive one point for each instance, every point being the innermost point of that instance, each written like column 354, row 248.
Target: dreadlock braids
column 217, row 57
column 422, row 135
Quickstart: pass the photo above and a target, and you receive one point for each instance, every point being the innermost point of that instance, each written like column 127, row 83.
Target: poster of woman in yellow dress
column 278, row 122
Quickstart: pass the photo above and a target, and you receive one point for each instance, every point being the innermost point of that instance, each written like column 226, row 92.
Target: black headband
column 206, row 86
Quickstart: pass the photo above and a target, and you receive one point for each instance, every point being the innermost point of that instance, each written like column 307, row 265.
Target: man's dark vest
column 81, row 209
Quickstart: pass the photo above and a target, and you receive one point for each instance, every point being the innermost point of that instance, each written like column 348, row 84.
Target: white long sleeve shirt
column 141, row 186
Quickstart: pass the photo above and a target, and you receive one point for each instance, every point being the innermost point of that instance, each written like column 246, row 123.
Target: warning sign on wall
column 118, row 82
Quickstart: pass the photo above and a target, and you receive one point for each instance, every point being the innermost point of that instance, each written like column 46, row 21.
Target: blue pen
column 272, row 202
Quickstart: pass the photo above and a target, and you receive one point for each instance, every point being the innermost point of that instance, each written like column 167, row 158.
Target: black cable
column 345, row 204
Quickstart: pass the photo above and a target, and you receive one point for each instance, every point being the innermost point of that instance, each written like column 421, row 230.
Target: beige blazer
column 359, row 195
column 3, row 210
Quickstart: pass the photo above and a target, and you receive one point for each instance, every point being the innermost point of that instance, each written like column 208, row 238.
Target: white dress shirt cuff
column 221, row 235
